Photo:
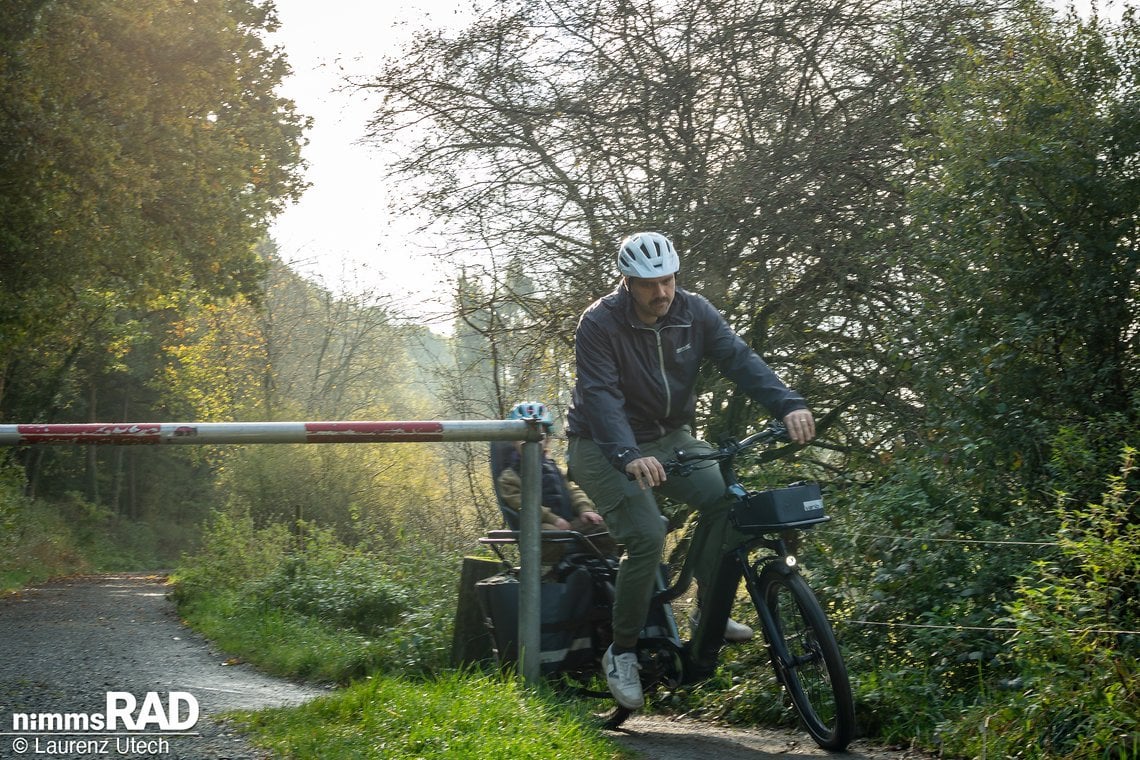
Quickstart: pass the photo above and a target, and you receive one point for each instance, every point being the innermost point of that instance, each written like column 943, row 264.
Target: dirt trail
column 65, row 645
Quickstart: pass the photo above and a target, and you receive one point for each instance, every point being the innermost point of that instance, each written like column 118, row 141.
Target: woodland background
column 924, row 216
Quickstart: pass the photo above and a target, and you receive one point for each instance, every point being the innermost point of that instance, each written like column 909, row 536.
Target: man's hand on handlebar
column 800, row 425
column 647, row 471
column 650, row 473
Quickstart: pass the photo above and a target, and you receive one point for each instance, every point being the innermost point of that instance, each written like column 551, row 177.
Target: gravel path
column 659, row 738
column 64, row 645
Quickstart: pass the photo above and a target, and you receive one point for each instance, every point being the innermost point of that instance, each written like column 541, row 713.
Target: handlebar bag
column 796, row 505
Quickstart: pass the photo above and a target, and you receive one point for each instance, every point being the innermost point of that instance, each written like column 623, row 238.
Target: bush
column 233, row 554
column 37, row 542
column 349, row 611
column 894, row 557
column 42, row 539
column 12, row 502
column 349, row 592
column 1078, row 685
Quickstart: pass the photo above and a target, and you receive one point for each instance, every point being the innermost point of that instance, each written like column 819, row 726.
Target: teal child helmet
column 532, row 410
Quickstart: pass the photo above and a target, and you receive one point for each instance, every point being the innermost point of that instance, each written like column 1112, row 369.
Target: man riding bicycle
column 637, row 353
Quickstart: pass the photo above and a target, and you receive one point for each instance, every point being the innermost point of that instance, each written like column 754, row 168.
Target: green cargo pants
column 635, row 520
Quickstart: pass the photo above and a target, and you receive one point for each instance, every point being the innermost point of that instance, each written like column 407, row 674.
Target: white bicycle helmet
column 647, row 255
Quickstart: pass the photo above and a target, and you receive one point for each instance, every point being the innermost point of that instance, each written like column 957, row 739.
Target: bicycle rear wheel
column 806, row 657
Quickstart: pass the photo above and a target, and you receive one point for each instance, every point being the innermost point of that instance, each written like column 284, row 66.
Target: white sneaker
column 623, row 677
column 733, row 631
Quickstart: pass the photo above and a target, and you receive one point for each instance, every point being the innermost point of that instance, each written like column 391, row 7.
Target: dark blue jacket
column 636, row 383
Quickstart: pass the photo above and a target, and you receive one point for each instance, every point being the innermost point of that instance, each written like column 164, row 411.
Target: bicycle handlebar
column 683, row 462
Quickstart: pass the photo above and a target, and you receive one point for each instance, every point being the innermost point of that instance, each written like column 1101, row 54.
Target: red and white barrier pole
column 267, row 432
column 530, row 570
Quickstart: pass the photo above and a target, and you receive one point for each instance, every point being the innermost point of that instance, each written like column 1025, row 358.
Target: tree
column 143, row 151
column 766, row 139
column 300, row 352
column 1029, row 205
column 1023, row 245
column 333, row 356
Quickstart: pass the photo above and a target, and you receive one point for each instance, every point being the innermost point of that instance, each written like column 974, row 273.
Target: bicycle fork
column 778, row 651
column 706, row 642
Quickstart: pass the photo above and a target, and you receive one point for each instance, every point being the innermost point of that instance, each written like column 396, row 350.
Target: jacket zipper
column 664, row 378
column 661, row 366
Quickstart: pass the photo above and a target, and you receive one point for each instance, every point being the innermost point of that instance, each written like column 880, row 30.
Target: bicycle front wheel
column 806, row 657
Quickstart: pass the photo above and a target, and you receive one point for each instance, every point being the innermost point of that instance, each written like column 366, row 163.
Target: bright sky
column 342, row 231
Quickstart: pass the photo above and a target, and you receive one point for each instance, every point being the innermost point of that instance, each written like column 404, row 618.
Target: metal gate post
column 530, row 570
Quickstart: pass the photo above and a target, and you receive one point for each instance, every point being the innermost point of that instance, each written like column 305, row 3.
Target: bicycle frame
column 801, row 645
column 703, row 649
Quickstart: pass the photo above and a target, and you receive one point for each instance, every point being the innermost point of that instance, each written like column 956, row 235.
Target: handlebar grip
column 681, row 463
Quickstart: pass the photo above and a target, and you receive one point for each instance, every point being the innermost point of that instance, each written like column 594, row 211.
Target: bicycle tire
column 612, row 720
column 815, row 677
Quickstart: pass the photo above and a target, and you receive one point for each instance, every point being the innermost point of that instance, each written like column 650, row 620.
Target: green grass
column 382, row 631
column 453, row 716
column 282, row 642
column 381, row 715
column 14, row 580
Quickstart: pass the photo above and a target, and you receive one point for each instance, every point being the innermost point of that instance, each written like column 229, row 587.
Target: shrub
column 1075, row 651
column 37, row 540
column 234, row 553
column 349, row 592
column 11, row 503
column 355, row 611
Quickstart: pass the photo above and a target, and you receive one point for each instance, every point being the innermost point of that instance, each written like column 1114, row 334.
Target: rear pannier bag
column 566, row 619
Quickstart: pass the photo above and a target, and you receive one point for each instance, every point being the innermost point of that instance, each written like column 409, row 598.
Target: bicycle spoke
column 806, row 659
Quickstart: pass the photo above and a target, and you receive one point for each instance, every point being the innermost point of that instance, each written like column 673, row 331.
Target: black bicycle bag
column 795, row 506
column 566, row 633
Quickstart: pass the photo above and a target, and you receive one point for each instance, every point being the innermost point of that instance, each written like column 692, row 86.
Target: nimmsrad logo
column 178, row 713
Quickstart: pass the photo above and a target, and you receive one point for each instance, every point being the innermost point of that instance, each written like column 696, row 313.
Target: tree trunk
column 471, row 643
